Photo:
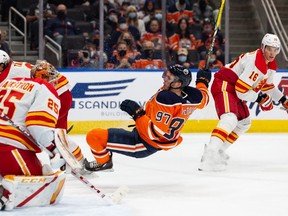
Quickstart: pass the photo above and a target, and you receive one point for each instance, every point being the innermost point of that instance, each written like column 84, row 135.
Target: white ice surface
column 168, row 183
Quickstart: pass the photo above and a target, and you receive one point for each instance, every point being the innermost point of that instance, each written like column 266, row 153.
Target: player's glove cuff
column 284, row 102
column 265, row 103
column 132, row 108
column 204, row 76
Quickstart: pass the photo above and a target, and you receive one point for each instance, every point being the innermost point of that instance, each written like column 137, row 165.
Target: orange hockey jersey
column 166, row 114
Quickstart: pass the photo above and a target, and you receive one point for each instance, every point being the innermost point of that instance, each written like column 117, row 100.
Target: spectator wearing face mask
column 207, row 36
column 132, row 19
column 154, row 34
column 214, row 63
column 183, row 38
column 132, row 51
column 60, row 26
column 117, row 59
column 204, row 9
column 148, row 59
column 32, row 18
column 122, row 27
column 178, row 9
column 85, row 61
column 123, row 8
column 158, row 14
column 94, row 48
column 148, row 11
column 182, row 58
column 111, row 22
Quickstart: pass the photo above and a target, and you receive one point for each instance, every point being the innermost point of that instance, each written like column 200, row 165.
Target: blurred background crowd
column 142, row 34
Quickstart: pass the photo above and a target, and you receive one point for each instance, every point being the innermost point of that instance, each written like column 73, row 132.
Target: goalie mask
column 4, row 59
column 44, row 70
column 181, row 74
column 271, row 40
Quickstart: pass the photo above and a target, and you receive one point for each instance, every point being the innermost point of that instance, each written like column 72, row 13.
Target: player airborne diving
column 158, row 126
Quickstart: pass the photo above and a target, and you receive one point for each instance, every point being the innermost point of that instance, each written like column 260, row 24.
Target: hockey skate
column 93, row 166
column 213, row 159
column 83, row 170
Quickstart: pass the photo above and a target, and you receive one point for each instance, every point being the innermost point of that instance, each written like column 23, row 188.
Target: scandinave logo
column 99, row 89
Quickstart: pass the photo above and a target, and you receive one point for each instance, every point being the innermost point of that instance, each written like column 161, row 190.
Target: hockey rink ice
column 169, row 184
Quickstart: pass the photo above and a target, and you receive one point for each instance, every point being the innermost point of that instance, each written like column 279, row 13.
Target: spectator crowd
column 133, row 36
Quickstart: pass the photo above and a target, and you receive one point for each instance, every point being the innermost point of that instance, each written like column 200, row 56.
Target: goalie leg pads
column 62, row 142
column 75, row 149
column 28, row 191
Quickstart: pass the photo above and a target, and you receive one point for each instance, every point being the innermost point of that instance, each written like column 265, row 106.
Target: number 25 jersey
column 32, row 104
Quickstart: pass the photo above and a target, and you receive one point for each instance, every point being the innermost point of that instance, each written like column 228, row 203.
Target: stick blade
column 119, row 194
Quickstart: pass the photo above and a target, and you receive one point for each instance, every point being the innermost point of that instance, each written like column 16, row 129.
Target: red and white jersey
column 62, row 85
column 250, row 74
column 32, row 104
column 22, row 69
column 16, row 69
column 65, row 97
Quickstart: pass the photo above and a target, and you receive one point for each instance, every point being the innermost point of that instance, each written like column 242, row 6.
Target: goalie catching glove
column 204, row 76
column 265, row 102
column 132, row 108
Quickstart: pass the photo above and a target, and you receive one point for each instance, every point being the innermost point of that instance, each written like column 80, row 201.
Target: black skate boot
column 93, row 166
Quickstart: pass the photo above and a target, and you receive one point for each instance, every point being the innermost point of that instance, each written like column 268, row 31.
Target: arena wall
column 98, row 94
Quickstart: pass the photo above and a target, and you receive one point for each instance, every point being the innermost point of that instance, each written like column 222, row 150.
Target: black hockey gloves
column 132, row 108
column 204, row 76
column 265, row 102
column 284, row 102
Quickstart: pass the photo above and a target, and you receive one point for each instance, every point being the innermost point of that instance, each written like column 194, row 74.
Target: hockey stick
column 216, row 28
column 69, row 129
column 114, row 198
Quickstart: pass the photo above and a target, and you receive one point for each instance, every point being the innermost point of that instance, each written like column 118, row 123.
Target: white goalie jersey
column 32, row 104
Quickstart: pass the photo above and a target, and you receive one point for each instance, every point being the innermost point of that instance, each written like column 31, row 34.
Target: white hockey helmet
column 4, row 59
column 44, row 70
column 271, row 40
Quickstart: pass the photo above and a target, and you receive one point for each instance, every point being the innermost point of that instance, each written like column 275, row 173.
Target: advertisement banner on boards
column 97, row 94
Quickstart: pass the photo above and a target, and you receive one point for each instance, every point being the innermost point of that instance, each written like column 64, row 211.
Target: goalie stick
column 216, row 28
column 114, row 198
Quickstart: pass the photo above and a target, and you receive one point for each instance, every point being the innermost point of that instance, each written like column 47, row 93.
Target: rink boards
column 98, row 94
